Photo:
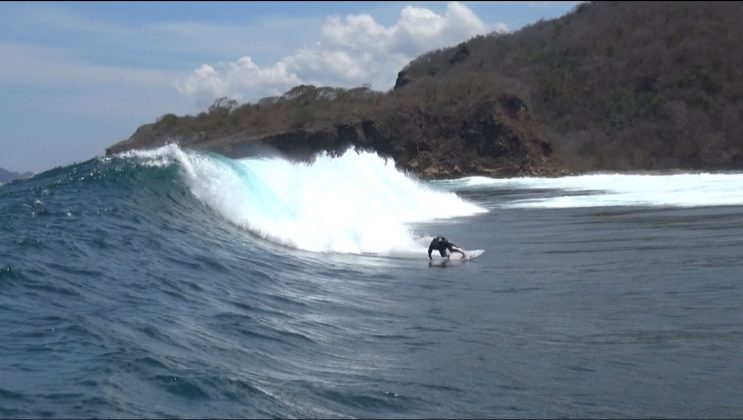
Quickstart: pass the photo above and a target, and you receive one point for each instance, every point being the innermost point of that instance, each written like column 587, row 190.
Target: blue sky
column 76, row 77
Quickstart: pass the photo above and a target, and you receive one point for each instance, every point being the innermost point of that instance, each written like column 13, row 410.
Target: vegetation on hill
column 609, row 86
column 621, row 85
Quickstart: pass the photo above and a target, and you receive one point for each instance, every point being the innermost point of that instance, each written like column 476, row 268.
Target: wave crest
column 355, row 203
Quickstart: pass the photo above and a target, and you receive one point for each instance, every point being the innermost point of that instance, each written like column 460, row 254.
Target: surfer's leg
column 443, row 253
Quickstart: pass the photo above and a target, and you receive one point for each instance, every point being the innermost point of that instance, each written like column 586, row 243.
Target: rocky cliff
column 491, row 135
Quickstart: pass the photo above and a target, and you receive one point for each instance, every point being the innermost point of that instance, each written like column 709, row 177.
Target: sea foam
column 355, row 203
column 603, row 190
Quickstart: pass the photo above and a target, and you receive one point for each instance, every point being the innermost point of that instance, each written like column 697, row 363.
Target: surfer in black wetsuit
column 442, row 245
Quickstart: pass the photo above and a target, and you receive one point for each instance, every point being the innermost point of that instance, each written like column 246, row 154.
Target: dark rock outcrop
column 491, row 138
column 402, row 79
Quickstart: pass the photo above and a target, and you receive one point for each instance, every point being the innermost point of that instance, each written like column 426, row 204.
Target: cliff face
column 610, row 86
column 447, row 138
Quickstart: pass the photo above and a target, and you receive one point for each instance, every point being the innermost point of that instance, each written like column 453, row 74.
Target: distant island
column 611, row 86
column 7, row 176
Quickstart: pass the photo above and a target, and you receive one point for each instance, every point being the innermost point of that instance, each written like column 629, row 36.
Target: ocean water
column 172, row 283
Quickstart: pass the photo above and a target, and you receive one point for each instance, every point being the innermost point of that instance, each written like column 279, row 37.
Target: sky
column 76, row 77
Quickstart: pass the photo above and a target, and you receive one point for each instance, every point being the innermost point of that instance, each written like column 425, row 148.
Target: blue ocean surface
column 174, row 283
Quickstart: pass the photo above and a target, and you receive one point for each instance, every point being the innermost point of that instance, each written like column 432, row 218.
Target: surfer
column 442, row 245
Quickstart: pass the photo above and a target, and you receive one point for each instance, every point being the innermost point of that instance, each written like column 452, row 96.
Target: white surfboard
column 456, row 257
column 472, row 254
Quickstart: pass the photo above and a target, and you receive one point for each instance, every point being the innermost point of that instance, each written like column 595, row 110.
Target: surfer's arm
column 430, row 248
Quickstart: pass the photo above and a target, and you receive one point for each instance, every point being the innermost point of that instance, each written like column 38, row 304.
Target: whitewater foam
column 355, row 203
column 603, row 190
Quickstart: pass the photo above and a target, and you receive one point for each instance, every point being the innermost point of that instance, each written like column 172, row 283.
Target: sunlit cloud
column 354, row 50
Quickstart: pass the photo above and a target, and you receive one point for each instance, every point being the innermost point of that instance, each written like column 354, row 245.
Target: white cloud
column 203, row 78
column 237, row 80
column 359, row 32
column 355, row 50
column 420, row 30
column 500, row 28
column 318, row 64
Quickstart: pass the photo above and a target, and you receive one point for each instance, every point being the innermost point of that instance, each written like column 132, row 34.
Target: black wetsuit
column 441, row 244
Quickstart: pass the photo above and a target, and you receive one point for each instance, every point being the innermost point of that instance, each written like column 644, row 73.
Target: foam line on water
column 602, row 190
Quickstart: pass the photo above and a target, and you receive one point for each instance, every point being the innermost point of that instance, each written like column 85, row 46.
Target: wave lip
column 604, row 190
column 355, row 203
